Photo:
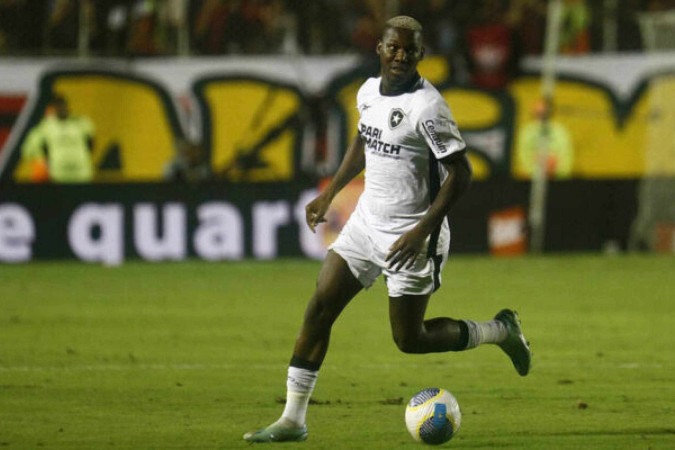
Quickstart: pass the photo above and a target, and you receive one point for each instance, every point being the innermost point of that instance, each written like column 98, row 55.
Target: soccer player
column 416, row 169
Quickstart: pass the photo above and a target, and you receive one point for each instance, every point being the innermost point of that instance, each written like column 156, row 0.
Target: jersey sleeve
column 439, row 129
column 365, row 92
column 87, row 126
column 32, row 146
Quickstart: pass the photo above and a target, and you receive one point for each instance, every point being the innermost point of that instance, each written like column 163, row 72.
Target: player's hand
column 315, row 212
column 405, row 250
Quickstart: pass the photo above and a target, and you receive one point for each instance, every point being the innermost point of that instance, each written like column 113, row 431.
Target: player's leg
column 409, row 292
column 514, row 344
column 335, row 288
column 413, row 334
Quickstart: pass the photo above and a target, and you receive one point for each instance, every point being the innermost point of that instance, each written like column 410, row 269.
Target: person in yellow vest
column 60, row 146
column 544, row 131
column 575, row 30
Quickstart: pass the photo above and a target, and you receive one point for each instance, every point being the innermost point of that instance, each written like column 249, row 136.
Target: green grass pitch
column 192, row 355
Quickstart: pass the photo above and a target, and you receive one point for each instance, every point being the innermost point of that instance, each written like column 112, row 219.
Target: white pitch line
column 238, row 366
column 121, row 367
column 188, row 367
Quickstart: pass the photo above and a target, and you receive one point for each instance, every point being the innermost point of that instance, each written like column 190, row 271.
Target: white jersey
column 405, row 135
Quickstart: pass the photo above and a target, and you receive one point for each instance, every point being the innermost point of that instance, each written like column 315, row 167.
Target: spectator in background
column 365, row 34
column 492, row 47
column 544, row 133
column 575, row 36
column 143, row 39
column 31, row 15
column 527, row 18
column 62, row 145
column 363, row 21
column 10, row 11
column 240, row 26
column 268, row 28
column 446, row 19
column 209, row 23
column 220, row 26
column 243, row 29
column 444, row 29
column 323, row 25
column 111, row 26
column 280, row 28
column 189, row 165
column 629, row 35
column 660, row 5
column 174, row 15
column 62, row 24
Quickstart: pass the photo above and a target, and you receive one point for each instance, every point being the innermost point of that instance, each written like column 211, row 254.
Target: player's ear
column 378, row 48
column 422, row 52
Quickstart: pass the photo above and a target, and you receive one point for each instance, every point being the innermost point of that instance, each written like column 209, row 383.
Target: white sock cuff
column 301, row 380
column 490, row 332
column 474, row 334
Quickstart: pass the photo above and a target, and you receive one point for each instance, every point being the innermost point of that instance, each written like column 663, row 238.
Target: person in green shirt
column 65, row 142
column 544, row 133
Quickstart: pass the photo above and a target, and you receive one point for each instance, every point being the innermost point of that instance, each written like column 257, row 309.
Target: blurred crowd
column 131, row 28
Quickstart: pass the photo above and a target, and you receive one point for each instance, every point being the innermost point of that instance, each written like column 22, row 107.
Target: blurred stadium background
column 130, row 28
column 260, row 93
column 217, row 120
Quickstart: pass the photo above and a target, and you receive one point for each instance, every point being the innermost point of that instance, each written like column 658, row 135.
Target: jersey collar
column 415, row 84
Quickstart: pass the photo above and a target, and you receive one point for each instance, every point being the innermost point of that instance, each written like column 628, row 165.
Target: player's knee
column 319, row 315
column 407, row 343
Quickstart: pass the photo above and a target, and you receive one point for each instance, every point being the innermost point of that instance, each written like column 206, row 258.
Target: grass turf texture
column 192, row 355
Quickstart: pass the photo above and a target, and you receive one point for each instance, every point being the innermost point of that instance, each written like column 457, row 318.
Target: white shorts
column 365, row 250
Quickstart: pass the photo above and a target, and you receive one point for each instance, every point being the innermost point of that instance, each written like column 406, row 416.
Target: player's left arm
column 406, row 248
column 88, row 129
column 436, row 125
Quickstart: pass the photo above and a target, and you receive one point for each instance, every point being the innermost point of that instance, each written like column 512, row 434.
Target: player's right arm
column 33, row 146
column 352, row 164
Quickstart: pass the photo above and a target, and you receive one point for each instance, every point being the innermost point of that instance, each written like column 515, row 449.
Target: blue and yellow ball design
column 432, row 416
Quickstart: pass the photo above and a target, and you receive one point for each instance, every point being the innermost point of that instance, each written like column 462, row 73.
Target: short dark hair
column 404, row 22
column 57, row 98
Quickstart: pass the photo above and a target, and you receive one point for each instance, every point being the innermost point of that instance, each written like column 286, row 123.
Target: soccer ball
column 433, row 416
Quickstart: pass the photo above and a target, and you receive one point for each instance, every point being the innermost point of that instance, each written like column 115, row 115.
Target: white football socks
column 299, row 388
column 492, row 332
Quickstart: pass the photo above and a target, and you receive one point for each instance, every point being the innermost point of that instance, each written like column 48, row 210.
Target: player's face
column 61, row 108
column 400, row 51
